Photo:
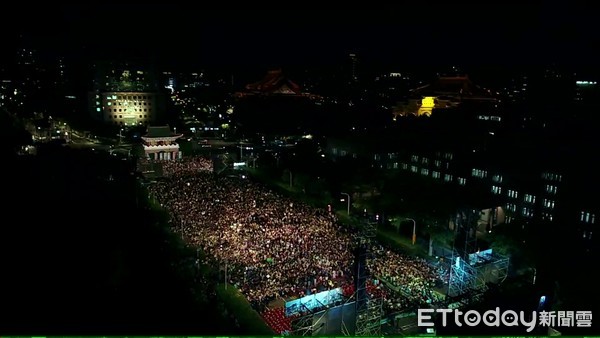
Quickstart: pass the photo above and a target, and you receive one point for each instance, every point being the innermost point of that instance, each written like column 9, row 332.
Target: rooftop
column 460, row 86
column 275, row 83
column 160, row 131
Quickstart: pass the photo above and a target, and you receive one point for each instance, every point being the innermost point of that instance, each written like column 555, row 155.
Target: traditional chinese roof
column 274, row 83
column 456, row 86
column 160, row 132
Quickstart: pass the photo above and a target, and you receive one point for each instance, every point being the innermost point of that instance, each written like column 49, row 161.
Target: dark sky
column 409, row 34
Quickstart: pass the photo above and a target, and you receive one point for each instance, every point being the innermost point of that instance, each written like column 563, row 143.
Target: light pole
column 348, row 200
column 226, row 275
column 414, row 235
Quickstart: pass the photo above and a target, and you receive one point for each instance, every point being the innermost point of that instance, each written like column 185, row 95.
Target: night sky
column 410, row 34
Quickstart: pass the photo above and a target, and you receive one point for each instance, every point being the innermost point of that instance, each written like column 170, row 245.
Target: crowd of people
column 185, row 166
column 276, row 247
column 273, row 246
column 413, row 277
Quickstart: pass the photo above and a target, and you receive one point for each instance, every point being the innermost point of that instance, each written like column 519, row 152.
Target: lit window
column 551, row 189
column 448, row 178
column 425, row 172
column 496, row 190
column 529, row 198
column 497, row 178
column 108, row 103
column 98, row 109
column 395, row 165
column 435, row 174
column 425, row 160
column 404, row 166
column 462, row 181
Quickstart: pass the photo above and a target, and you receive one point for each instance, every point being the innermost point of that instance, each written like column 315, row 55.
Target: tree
column 440, row 235
column 504, row 241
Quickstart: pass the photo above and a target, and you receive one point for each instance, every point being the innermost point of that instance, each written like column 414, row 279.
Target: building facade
column 528, row 188
column 125, row 95
column 161, row 144
column 125, row 108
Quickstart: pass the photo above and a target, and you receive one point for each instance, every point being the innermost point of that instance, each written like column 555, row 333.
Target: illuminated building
column 259, row 106
column 274, row 83
column 126, row 97
column 521, row 182
column 586, row 91
column 126, row 108
column 444, row 93
column 161, row 144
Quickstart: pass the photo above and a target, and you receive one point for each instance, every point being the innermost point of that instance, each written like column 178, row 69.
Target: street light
column 414, row 235
column 347, row 195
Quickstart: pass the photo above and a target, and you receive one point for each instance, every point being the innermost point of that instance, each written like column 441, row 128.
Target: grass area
column 285, row 188
column 391, row 237
column 250, row 321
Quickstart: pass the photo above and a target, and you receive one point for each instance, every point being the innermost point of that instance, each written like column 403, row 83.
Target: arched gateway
column 160, row 144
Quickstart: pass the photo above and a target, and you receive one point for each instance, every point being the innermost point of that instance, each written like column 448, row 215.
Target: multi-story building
column 125, row 96
column 125, row 108
column 518, row 183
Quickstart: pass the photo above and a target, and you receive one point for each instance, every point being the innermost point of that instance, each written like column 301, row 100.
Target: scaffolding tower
column 462, row 275
column 305, row 325
column 470, row 271
column 369, row 307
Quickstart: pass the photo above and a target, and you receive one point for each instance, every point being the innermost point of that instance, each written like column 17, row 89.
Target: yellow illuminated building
column 443, row 93
column 427, row 105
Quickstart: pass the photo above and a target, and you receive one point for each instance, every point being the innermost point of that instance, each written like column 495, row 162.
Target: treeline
column 83, row 252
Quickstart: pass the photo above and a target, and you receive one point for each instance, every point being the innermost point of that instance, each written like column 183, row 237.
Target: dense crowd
column 185, row 166
column 273, row 246
column 413, row 277
column 276, row 247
